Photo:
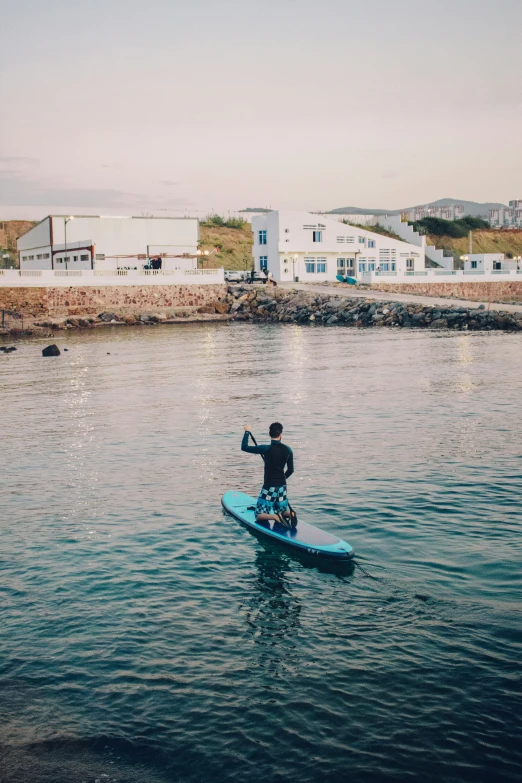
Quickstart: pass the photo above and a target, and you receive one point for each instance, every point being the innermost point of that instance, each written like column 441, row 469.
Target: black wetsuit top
column 277, row 456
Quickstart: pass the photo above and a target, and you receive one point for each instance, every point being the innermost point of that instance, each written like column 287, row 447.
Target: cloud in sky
column 361, row 103
column 16, row 189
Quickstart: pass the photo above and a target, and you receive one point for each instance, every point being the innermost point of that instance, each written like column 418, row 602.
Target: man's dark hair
column 275, row 429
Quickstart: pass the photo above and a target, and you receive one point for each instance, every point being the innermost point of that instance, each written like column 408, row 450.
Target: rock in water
column 108, row 317
column 51, row 350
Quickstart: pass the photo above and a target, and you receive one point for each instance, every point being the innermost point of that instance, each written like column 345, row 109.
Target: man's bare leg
column 271, row 517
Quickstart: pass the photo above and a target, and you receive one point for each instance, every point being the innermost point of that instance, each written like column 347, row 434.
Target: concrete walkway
column 384, row 296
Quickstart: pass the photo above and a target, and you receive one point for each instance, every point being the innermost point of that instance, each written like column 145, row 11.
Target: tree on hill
column 449, row 228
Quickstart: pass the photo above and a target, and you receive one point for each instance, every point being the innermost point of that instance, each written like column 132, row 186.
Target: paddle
column 293, row 515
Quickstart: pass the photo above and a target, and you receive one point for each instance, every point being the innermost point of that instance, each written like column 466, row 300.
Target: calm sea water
column 148, row 637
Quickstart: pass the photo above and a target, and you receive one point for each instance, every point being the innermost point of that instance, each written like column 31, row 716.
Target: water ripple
column 147, row 636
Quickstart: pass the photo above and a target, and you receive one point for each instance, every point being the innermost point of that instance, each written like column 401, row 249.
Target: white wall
column 485, row 262
column 39, row 236
column 268, row 222
column 115, row 236
column 29, row 258
column 290, row 242
column 447, row 276
column 100, row 278
column 403, row 229
column 362, row 220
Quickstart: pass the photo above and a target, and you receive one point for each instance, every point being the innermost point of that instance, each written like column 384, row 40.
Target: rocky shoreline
column 286, row 306
column 275, row 305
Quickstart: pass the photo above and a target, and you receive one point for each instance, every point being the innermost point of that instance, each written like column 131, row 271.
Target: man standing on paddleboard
column 272, row 503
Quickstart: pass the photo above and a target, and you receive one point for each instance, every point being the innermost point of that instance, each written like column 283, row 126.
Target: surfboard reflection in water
column 272, row 611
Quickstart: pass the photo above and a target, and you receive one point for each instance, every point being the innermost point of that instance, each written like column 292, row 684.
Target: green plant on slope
column 221, row 222
column 449, row 228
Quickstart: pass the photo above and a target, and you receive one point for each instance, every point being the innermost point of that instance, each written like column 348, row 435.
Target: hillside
column 507, row 241
column 10, row 230
column 234, row 246
column 474, row 208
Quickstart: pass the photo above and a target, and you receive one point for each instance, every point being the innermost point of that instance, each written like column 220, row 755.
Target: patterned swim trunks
column 272, row 501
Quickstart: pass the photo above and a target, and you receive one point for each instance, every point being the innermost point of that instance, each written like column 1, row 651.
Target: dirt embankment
column 234, row 246
column 10, row 231
column 507, row 241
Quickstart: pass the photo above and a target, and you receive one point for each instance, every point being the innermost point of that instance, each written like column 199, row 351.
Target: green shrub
column 449, row 228
column 440, row 228
column 473, row 223
column 221, row 222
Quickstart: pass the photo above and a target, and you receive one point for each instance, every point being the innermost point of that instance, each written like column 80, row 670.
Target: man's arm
column 290, row 463
column 251, row 449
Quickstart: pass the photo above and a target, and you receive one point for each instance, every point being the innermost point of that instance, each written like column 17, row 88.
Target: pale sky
column 283, row 103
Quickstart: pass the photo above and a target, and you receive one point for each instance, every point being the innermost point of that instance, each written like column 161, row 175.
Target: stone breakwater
column 273, row 304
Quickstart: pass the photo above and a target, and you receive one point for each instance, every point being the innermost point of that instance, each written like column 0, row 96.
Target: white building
column 490, row 262
column 507, row 217
column 449, row 212
column 313, row 248
column 97, row 242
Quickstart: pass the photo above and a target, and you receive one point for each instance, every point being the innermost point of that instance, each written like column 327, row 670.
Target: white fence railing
column 453, row 276
column 106, row 277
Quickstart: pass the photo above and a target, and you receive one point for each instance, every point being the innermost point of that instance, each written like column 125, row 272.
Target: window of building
column 263, row 262
column 384, row 267
column 321, row 267
column 393, row 266
column 362, row 240
column 287, row 230
column 100, row 256
column 409, row 263
column 310, row 267
column 340, row 239
column 362, row 267
column 75, row 258
column 474, row 264
column 349, row 263
column 371, row 266
column 497, row 264
column 340, row 263
column 262, row 237
column 371, row 243
column 317, row 236
column 84, row 258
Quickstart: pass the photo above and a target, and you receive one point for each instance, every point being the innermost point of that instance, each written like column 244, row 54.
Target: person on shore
column 272, row 503
column 252, row 275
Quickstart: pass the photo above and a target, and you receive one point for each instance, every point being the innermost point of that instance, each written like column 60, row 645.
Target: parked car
column 259, row 277
column 234, row 277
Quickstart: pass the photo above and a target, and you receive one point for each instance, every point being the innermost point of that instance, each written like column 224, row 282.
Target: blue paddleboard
column 305, row 538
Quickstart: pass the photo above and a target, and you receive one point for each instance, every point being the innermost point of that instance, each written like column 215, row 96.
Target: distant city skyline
column 289, row 105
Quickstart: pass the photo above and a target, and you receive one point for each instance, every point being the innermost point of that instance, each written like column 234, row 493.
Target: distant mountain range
column 474, row 208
